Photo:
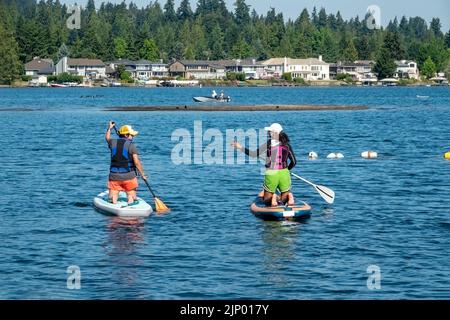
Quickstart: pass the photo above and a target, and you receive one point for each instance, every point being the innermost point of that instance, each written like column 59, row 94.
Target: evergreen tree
column 169, row 11
column 350, row 53
column 385, row 66
column 322, row 19
column 242, row 12
column 10, row 66
column 447, row 39
column 184, row 11
column 394, row 46
column 435, row 27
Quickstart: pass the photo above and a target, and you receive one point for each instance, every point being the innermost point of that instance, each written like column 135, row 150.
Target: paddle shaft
column 148, row 186
column 303, row 179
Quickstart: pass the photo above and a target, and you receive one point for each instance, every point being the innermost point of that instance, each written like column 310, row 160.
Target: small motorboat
column 214, row 97
column 58, row 85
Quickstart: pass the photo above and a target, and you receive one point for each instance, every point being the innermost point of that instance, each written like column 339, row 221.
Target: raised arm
column 108, row 132
column 260, row 151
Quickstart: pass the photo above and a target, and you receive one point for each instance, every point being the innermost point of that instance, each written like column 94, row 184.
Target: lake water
column 392, row 212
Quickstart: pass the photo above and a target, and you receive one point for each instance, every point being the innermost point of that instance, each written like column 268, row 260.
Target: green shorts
column 277, row 179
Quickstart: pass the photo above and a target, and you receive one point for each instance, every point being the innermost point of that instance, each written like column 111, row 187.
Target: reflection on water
column 326, row 212
column 280, row 239
column 124, row 236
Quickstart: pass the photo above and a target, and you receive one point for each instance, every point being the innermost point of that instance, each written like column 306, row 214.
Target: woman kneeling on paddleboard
column 124, row 162
column 277, row 176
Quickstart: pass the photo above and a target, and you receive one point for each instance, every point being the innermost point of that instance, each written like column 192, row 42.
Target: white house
column 39, row 69
column 308, row 69
column 88, row 68
column 252, row 68
column 406, row 69
column 275, row 67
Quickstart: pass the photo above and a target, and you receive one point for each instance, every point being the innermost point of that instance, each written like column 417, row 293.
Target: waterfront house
column 250, row 67
column 197, row 69
column 275, row 67
column 39, row 69
column 142, row 69
column 360, row 70
column 406, row 69
column 307, row 69
column 87, row 68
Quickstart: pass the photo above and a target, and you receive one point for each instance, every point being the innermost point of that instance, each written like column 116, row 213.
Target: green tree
column 394, row 46
column 122, row 74
column 435, row 27
column 242, row 12
column 350, row 53
column 169, row 11
column 184, row 11
column 120, row 47
column 149, row 50
column 10, row 66
column 241, row 50
column 447, row 39
column 385, row 66
column 428, row 68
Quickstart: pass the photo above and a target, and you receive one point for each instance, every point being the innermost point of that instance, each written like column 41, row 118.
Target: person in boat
column 222, row 96
column 278, row 153
column 124, row 163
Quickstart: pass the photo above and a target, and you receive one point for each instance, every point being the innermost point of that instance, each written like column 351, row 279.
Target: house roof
column 121, row 61
column 350, row 64
column 213, row 64
column 85, row 62
column 42, row 66
column 290, row 61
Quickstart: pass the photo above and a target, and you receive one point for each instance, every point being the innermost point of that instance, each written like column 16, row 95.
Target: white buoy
column 369, row 154
column 336, row 155
column 312, row 155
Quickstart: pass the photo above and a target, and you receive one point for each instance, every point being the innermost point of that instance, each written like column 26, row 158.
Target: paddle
column 159, row 205
column 326, row 193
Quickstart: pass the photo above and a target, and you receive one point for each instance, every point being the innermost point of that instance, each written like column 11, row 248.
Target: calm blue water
column 392, row 212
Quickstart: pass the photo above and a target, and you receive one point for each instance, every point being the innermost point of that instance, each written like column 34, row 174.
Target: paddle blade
column 160, row 206
column 326, row 193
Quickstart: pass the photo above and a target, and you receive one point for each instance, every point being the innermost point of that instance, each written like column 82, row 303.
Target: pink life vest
column 277, row 157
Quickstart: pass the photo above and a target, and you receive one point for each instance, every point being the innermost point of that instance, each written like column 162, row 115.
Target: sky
column 426, row 9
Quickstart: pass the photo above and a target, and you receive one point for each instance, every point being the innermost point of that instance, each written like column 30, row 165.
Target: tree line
column 30, row 28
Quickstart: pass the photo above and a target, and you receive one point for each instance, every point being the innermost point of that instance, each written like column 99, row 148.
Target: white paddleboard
column 121, row 208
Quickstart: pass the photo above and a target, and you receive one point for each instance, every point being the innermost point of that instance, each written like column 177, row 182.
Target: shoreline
column 225, row 108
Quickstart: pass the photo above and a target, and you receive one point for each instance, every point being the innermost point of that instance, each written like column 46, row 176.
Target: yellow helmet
column 126, row 129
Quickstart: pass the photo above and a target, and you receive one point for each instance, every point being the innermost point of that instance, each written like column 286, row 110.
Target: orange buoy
column 369, row 154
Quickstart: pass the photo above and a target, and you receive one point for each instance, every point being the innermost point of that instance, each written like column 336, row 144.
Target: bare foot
column 291, row 200
column 274, row 200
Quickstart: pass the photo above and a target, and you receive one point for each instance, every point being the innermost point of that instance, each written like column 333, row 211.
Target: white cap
column 274, row 127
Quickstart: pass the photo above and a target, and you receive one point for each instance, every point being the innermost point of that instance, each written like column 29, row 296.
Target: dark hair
column 283, row 137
